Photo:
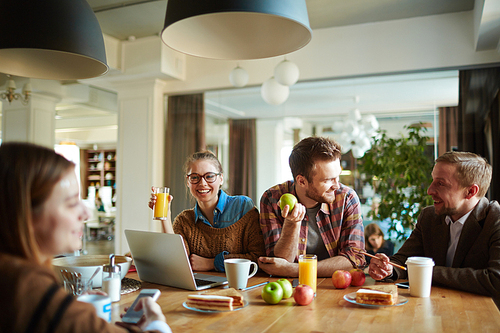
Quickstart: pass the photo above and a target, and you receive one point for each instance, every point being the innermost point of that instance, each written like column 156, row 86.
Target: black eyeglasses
column 195, row 178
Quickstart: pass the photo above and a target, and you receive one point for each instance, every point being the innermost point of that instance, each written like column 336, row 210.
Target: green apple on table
column 286, row 285
column 272, row 293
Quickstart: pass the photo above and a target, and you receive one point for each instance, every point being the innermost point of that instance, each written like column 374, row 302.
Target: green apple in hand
column 287, row 288
column 288, row 199
column 272, row 293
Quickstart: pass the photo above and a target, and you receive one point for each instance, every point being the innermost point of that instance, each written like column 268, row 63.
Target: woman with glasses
column 220, row 226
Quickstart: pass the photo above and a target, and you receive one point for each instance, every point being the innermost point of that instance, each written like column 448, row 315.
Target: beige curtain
column 185, row 136
column 448, row 129
column 242, row 154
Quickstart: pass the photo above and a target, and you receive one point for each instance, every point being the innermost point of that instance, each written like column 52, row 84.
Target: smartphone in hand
column 132, row 316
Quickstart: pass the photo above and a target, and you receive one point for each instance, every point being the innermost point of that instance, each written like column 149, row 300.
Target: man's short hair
column 310, row 150
column 471, row 169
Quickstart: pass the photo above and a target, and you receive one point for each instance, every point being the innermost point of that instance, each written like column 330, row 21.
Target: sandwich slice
column 378, row 295
column 229, row 292
column 210, row 302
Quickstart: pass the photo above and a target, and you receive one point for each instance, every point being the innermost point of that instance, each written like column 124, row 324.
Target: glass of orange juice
column 308, row 270
column 161, row 205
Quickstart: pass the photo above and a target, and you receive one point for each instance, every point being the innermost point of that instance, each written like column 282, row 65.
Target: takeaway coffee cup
column 237, row 272
column 101, row 303
column 420, row 275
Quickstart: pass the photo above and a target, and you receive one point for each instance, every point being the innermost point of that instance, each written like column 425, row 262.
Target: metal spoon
column 67, row 278
column 93, row 275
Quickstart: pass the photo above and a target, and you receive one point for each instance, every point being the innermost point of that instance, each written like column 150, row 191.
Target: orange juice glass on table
column 308, row 270
column 161, row 205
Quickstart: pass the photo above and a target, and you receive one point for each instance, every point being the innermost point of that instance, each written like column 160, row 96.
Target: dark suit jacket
column 476, row 266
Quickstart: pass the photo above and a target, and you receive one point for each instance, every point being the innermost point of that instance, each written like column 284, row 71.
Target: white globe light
column 355, row 115
column 370, row 123
column 365, row 144
column 238, row 77
column 357, row 152
column 352, row 128
column 274, row 93
column 286, row 73
column 345, row 141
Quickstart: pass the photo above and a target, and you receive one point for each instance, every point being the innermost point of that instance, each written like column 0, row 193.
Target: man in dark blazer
column 461, row 232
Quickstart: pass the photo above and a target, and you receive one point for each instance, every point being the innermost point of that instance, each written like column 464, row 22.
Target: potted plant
column 399, row 171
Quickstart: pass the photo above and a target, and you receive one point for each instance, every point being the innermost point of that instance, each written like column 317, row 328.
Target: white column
column 270, row 136
column 140, row 155
column 34, row 122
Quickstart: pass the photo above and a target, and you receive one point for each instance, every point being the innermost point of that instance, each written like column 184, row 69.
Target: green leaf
column 399, row 171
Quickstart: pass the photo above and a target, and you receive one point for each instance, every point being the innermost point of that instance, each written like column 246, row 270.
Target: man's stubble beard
column 314, row 195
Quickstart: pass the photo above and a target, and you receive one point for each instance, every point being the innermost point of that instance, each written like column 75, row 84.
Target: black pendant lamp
column 51, row 39
column 236, row 29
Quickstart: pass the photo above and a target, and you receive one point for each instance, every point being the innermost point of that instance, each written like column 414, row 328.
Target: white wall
column 422, row 43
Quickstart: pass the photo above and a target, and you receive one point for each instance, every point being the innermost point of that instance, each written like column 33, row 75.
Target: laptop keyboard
column 200, row 282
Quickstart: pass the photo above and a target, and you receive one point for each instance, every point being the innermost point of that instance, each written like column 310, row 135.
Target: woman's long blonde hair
column 28, row 174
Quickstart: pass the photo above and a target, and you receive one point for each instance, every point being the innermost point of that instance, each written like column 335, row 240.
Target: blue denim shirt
column 228, row 211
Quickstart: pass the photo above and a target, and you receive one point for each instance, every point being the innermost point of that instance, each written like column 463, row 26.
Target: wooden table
column 445, row 311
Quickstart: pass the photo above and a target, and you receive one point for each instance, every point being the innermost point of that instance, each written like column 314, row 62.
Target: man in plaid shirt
column 326, row 221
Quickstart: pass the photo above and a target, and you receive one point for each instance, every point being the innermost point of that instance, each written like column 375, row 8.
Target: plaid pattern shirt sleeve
column 271, row 222
column 342, row 227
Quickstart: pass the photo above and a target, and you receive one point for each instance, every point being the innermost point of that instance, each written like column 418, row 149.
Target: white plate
column 351, row 298
column 245, row 303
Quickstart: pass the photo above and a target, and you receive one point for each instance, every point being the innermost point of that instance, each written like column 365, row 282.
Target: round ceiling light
column 238, row 77
column 236, row 29
column 51, row 39
column 274, row 93
column 286, row 73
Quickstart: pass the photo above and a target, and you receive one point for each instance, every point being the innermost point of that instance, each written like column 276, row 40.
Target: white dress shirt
column 455, row 231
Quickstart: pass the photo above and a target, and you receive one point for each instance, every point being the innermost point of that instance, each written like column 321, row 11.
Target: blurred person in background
column 375, row 242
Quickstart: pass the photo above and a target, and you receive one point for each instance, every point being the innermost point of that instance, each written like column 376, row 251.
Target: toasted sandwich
column 210, row 302
column 378, row 295
column 229, row 292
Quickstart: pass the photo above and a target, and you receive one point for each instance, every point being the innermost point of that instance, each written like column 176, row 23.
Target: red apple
column 341, row 279
column 358, row 277
column 303, row 294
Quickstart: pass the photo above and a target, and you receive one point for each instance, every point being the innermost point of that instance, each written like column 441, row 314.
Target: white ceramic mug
column 237, row 272
column 101, row 303
column 420, row 275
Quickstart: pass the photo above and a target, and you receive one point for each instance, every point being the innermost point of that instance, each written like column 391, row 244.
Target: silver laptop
column 162, row 258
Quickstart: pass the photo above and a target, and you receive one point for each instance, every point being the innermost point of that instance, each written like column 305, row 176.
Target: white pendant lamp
column 238, row 77
column 51, row 39
column 354, row 115
column 356, row 132
column 274, row 93
column 236, row 29
column 286, row 73
column 370, row 124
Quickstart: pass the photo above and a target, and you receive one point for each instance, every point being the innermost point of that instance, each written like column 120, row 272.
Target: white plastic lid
column 421, row 261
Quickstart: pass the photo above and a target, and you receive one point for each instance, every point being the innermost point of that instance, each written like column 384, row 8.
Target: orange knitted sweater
column 243, row 239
